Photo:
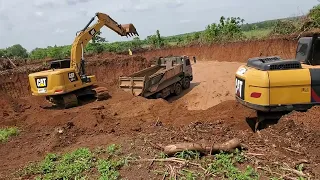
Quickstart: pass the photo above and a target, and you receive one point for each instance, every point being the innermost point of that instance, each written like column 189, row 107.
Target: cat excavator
column 273, row 86
column 67, row 80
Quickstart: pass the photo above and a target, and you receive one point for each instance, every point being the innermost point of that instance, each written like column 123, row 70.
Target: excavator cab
column 308, row 50
column 60, row 64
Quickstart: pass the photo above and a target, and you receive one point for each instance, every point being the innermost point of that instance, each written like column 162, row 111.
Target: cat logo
column 240, row 88
column 41, row 82
column 72, row 77
column 92, row 32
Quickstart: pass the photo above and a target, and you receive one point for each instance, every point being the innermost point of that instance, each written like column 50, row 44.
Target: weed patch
column 192, row 166
column 78, row 164
column 8, row 132
column 224, row 165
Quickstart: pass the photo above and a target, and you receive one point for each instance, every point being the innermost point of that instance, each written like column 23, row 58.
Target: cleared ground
column 213, row 83
column 205, row 113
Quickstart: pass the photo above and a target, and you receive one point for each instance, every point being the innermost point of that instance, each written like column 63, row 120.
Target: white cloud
column 185, row 21
column 59, row 31
column 39, row 13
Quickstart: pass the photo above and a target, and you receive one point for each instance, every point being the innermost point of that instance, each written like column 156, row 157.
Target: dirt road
column 212, row 84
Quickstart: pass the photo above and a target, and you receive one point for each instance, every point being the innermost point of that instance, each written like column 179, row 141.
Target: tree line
column 227, row 29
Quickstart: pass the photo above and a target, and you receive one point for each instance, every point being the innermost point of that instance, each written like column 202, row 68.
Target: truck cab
column 171, row 61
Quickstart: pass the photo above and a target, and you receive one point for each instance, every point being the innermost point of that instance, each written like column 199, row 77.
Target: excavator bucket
column 130, row 29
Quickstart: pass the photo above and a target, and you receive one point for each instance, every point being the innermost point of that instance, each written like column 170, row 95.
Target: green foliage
column 224, row 165
column 108, row 169
column 258, row 33
column 284, row 27
column 77, row 164
column 136, row 43
column 314, row 15
column 69, row 166
column 188, row 155
column 189, row 175
column 15, row 51
column 156, row 41
column 227, row 29
column 97, row 38
column 3, row 52
column 5, row 133
column 55, row 52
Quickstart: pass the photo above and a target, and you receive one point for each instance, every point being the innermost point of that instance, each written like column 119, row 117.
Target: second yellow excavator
column 273, row 86
column 67, row 80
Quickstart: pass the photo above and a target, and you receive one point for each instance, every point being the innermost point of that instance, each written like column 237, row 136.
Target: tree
column 97, row 38
column 160, row 41
column 314, row 18
column 136, row 43
column 16, row 51
column 152, row 40
column 55, row 52
column 227, row 29
column 38, row 53
column 3, row 52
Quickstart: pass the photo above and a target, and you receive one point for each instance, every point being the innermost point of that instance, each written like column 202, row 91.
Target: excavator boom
column 87, row 33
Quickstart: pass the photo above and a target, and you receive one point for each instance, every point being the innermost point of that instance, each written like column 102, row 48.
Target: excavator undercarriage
column 72, row 99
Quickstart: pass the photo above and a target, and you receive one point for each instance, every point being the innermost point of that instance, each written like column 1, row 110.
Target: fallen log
column 228, row 146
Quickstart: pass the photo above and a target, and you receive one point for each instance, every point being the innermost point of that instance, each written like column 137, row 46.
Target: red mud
column 134, row 121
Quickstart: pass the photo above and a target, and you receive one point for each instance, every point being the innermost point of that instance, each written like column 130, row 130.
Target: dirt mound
column 309, row 119
column 302, row 130
column 10, row 108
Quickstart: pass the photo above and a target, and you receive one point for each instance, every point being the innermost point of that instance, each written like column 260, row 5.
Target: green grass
column 259, row 33
column 222, row 166
column 78, row 164
column 105, row 163
column 5, row 133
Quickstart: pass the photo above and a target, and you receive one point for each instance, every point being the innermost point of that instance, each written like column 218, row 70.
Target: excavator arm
column 87, row 33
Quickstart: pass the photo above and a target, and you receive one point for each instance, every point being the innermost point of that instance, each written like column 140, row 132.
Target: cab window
column 187, row 62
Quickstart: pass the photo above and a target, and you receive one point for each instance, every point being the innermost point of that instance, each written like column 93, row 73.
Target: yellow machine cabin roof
column 51, row 71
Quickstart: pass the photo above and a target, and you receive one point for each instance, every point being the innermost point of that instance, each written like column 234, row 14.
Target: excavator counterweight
column 62, row 85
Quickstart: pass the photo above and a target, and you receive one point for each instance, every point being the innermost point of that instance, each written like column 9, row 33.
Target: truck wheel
column 177, row 89
column 158, row 95
column 186, row 84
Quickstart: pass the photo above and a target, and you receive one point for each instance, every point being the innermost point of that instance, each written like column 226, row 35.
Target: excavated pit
column 205, row 112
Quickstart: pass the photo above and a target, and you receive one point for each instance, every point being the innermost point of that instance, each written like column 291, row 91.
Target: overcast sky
column 40, row 23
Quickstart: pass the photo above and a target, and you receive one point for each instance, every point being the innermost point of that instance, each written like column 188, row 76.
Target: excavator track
column 101, row 93
column 70, row 100
column 65, row 101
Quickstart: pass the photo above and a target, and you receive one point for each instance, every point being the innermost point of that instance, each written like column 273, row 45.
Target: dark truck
column 168, row 75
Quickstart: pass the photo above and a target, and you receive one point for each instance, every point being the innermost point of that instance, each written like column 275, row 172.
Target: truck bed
column 150, row 80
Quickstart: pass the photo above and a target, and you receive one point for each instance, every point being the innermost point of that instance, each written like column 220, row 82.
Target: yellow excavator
column 274, row 87
column 66, row 80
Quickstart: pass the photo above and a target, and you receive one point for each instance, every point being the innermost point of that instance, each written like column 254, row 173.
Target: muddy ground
column 206, row 112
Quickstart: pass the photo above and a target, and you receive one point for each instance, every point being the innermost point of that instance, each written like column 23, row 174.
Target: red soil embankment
column 232, row 52
column 107, row 69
